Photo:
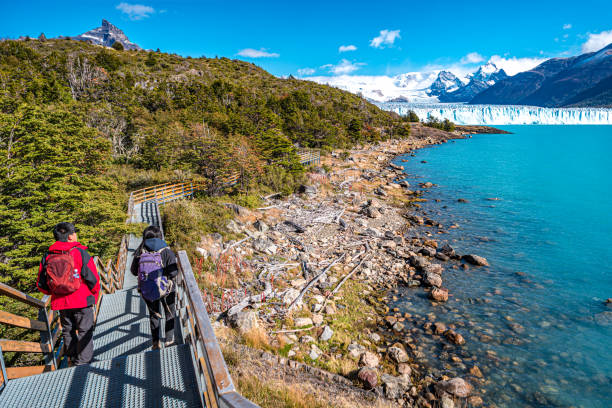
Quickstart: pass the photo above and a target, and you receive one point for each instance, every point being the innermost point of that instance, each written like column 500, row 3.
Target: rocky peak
column 107, row 34
column 444, row 83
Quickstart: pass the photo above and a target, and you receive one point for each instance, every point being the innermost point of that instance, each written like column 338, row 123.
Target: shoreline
column 362, row 193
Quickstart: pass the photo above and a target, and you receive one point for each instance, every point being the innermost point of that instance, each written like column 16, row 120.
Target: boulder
column 455, row 386
column 308, row 190
column 298, row 283
column 404, row 369
column 433, row 279
column 374, row 337
column 290, row 295
column 447, row 250
column 326, row 334
column 439, row 328
column 307, row 339
column 371, row 212
column 356, row 350
column 439, row 294
column 454, row 337
column 244, row 321
column 475, row 371
column 315, row 352
column 396, row 167
column 404, row 184
column 302, row 322
column 397, row 354
column 427, row 251
column 369, row 377
column 264, row 245
column 369, row 359
column 446, row 402
column 260, row 226
column 317, row 319
column 475, row 260
column 232, row 226
column 394, row 387
column 418, row 261
column 433, row 268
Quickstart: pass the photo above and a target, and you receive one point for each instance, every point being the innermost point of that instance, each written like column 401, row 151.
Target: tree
column 51, row 167
column 412, row 116
column 118, row 46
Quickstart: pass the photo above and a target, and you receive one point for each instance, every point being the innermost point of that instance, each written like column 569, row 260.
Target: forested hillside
column 78, row 120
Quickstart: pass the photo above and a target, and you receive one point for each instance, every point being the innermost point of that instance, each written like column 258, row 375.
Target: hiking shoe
column 156, row 345
column 169, row 343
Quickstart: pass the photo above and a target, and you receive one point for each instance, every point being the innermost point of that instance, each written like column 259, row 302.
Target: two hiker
column 68, row 273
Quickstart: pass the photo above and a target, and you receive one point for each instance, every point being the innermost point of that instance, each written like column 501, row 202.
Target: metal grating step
column 161, row 379
column 129, row 280
column 122, row 327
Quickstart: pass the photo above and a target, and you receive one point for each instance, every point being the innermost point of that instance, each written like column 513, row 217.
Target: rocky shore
column 318, row 270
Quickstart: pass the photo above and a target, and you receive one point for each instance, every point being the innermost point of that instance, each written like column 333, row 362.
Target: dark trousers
column 155, row 316
column 77, row 330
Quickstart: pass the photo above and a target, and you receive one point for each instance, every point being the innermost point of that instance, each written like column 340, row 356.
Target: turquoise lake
column 535, row 321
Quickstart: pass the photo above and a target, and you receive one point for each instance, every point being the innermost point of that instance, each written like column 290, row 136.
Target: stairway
column 125, row 371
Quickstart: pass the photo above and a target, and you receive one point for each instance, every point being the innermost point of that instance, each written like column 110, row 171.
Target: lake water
column 535, row 320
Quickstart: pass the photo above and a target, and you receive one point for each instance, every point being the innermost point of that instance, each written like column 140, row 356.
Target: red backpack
column 62, row 277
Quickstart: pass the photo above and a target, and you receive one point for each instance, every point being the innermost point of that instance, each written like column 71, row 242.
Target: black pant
column 155, row 316
column 77, row 330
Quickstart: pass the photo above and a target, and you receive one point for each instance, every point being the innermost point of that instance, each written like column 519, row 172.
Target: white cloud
column 260, row 53
column 567, row 26
column 386, row 37
column 306, row 71
column 135, row 11
column 345, row 48
column 596, row 42
column 514, row 65
column 344, row 67
column 472, row 58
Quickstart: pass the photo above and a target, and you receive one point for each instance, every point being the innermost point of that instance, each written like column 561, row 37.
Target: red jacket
column 87, row 293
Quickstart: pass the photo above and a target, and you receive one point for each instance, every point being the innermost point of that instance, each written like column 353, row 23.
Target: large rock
column 302, row 322
column 356, row 350
column 439, row 328
column 433, row 279
column 394, row 387
column 419, row 261
column 260, row 226
column 447, row 402
column 433, row 268
column 369, row 377
column 397, row 354
column 369, row 359
column 308, row 190
column 371, row 212
column 264, row 245
column 439, row 294
column 454, row 337
column 326, row 334
column 447, row 250
column 455, row 386
column 475, row 260
column 315, row 352
column 244, row 321
column 290, row 295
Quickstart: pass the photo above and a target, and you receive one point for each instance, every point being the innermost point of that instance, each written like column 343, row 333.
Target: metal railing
column 213, row 377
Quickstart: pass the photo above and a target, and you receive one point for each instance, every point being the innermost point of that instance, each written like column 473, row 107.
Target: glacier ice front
column 462, row 114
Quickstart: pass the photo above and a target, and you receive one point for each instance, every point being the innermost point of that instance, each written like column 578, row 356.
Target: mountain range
column 584, row 80
column 418, row 87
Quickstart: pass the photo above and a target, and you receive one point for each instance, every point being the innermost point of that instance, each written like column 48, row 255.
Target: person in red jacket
column 76, row 308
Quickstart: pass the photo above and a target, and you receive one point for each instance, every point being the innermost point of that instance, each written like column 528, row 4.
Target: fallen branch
column 348, row 276
column 268, row 207
column 237, row 308
column 293, row 330
column 235, row 244
column 313, row 281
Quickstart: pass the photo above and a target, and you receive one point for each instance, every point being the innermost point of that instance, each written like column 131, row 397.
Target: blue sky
column 379, row 37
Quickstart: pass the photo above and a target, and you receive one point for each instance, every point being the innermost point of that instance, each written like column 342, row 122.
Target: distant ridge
column 107, row 34
column 584, row 80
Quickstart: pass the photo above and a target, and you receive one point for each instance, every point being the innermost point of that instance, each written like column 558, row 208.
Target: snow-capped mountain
column 445, row 83
column 107, row 35
column 418, row 87
column 485, row 77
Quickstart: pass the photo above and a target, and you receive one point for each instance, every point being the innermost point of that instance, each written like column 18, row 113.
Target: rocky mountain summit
column 486, row 76
column 106, row 35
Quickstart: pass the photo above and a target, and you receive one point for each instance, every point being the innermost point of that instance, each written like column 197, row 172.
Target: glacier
column 463, row 114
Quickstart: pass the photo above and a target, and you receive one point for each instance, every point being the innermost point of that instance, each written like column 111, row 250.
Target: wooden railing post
column 46, row 339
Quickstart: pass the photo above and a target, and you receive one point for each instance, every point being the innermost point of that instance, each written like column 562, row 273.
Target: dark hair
column 63, row 230
column 152, row 231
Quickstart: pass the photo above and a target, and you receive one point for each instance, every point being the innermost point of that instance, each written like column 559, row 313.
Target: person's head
column 65, row 232
column 152, row 232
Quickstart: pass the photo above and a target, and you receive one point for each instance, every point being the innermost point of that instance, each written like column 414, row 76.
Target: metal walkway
column 164, row 378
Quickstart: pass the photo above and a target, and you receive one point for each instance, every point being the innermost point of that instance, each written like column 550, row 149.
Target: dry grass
column 276, row 394
column 257, row 338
